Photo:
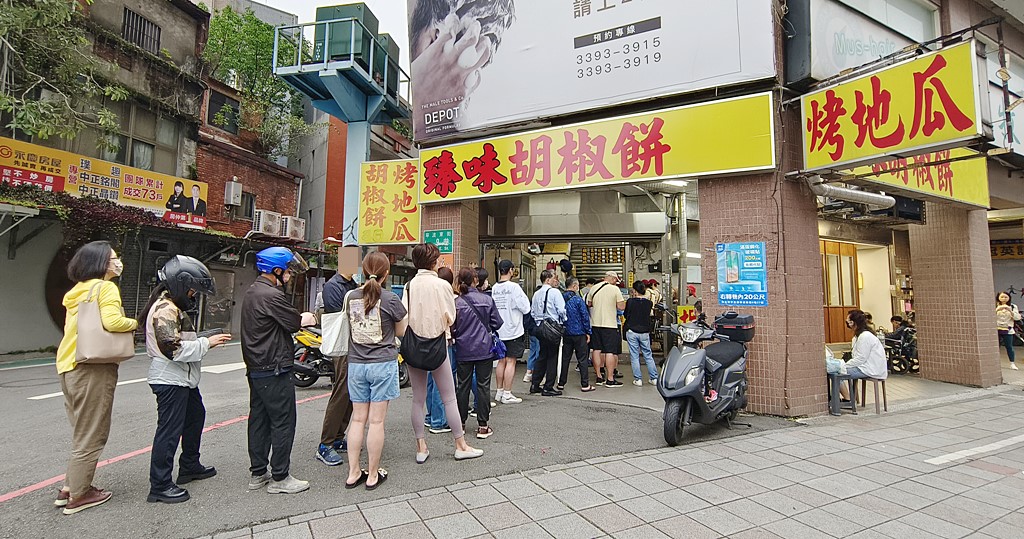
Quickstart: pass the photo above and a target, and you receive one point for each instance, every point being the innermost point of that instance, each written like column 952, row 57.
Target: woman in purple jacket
column 475, row 320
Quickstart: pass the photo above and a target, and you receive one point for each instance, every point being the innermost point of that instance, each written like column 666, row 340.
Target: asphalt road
column 539, row 432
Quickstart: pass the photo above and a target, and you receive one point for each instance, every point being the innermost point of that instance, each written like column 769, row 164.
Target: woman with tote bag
column 88, row 386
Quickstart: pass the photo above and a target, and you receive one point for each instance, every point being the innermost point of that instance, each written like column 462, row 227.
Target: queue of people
column 477, row 325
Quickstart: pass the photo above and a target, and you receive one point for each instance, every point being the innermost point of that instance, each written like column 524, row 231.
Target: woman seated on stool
column 868, row 353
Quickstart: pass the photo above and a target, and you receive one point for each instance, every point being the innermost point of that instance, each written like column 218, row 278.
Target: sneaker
column 638, row 382
column 288, row 485
column 62, row 498
column 498, row 396
column 509, row 398
column 340, row 446
column 472, row 412
column 599, row 381
column 617, row 374
column 327, row 455
column 484, row 432
column 1014, row 366
column 612, row 383
column 577, row 368
column 440, row 430
column 528, row 377
column 259, row 481
column 653, row 381
column 472, row 453
column 91, row 498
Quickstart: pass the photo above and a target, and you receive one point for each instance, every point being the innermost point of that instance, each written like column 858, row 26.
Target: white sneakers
column 508, row 398
column 259, row 481
column 638, row 383
column 1014, row 366
column 528, row 377
column 288, row 485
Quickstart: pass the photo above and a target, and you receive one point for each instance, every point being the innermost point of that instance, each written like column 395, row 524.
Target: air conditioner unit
column 267, row 222
column 232, row 193
column 293, row 228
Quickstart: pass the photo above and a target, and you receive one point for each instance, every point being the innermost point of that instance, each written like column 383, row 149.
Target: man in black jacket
column 268, row 322
column 339, row 407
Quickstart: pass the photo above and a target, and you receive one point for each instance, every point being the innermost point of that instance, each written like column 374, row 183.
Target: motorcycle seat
column 725, row 353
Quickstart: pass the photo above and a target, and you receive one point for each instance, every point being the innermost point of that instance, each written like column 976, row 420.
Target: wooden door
column 839, row 276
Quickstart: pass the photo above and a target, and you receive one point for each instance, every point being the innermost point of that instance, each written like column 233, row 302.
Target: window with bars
column 140, row 31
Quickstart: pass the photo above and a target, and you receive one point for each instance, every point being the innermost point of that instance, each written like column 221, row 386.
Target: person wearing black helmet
column 176, row 354
column 268, row 322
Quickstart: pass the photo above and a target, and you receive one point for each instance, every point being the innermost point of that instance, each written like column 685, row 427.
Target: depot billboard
column 488, row 63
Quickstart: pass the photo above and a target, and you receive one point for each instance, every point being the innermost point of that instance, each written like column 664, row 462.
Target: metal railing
column 308, row 47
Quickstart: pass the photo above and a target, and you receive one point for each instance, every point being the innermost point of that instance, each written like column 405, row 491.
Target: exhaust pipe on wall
column 874, row 200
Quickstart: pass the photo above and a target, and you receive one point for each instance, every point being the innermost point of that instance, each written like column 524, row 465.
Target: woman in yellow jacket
column 89, row 388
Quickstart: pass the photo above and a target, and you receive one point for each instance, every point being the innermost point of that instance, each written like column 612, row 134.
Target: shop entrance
column 856, row 276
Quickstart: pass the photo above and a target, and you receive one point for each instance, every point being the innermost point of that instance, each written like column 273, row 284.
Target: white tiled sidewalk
column 862, row 477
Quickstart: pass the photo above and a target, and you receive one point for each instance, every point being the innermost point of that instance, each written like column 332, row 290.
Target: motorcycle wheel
column 674, row 410
column 403, row 375
column 300, row 379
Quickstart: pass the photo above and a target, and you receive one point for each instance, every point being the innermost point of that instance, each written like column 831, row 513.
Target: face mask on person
column 116, row 267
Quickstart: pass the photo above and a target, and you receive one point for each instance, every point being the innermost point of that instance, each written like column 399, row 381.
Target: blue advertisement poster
column 742, row 274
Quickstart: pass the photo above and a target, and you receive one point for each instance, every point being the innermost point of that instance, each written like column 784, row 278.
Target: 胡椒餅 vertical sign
column 176, row 200
column 928, row 103
column 742, row 274
column 488, row 63
column 389, row 211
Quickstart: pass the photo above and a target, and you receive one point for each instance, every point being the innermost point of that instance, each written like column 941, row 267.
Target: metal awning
column 18, row 214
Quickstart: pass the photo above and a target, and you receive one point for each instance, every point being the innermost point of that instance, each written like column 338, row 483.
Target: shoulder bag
column 593, row 294
column 498, row 348
column 96, row 344
column 418, row 352
column 547, row 329
column 336, row 331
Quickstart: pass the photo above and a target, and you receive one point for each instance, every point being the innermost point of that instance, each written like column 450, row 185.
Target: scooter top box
column 739, row 329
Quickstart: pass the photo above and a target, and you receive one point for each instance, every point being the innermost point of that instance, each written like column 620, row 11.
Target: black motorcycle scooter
column 689, row 370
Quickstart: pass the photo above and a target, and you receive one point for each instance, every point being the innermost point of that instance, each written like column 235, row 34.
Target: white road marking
column 227, row 367
column 52, row 395
column 994, row 446
column 213, row 369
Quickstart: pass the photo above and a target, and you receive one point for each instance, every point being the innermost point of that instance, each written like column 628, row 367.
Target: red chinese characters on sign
column 440, row 176
column 926, row 88
column 872, row 114
column 921, row 171
column 405, row 175
column 526, row 164
column 583, row 157
column 403, row 203
column 648, row 150
column 823, row 125
column 401, row 231
column 377, row 173
column 485, row 170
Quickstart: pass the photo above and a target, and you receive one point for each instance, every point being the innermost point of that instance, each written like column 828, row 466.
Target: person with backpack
column 577, row 336
column 176, row 355
column 476, row 322
column 548, row 308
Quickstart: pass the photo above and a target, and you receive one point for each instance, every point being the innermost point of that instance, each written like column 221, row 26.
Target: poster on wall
column 742, row 274
column 488, row 63
column 176, row 200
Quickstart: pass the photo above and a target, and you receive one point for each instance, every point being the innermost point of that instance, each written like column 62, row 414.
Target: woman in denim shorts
column 376, row 318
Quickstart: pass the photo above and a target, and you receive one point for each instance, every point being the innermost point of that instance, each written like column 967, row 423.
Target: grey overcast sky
column 392, row 15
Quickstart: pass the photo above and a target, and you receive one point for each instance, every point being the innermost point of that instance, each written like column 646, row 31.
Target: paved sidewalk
column 951, row 470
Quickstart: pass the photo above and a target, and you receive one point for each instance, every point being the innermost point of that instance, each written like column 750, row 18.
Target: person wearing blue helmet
column 268, row 322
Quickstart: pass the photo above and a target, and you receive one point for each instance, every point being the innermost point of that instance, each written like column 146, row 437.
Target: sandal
column 588, row 389
column 382, row 475
column 363, row 476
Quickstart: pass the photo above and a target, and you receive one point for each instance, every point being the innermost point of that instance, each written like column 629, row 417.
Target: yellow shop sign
column 389, row 212
column 720, row 137
column 929, row 102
